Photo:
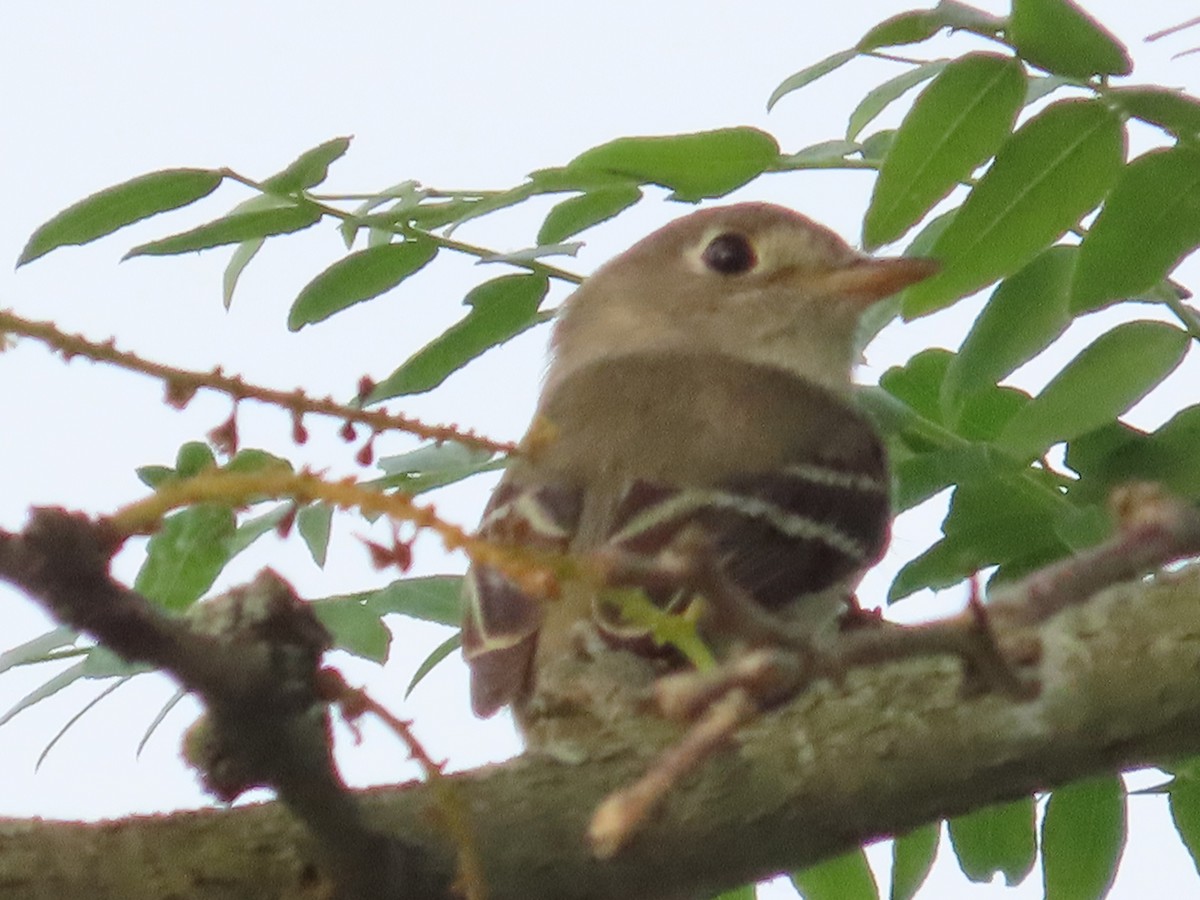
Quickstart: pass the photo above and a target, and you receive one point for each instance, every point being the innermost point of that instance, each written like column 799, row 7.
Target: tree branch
column 887, row 749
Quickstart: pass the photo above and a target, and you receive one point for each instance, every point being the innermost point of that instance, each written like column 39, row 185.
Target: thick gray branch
column 888, row 749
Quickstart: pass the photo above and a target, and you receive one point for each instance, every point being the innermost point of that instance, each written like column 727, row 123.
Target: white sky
column 454, row 94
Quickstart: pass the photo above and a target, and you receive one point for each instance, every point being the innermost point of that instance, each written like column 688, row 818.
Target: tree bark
column 889, row 748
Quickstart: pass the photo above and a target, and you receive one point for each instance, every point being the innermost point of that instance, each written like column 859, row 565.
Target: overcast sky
column 456, row 95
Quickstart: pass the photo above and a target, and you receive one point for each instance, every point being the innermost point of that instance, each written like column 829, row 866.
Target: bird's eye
column 730, row 254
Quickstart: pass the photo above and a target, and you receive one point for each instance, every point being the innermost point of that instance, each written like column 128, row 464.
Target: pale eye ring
column 729, row 253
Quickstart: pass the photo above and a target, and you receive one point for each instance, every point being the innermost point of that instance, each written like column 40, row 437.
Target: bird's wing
column 793, row 495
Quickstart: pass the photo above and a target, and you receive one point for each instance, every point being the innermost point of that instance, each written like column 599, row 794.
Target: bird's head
column 755, row 281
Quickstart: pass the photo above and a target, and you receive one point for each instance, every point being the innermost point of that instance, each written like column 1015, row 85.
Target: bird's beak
column 867, row 280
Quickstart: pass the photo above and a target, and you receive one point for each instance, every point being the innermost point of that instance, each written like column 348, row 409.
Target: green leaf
column 192, row 458
column 1174, row 446
column 576, row 214
column 444, row 649
column 360, row 276
column 921, row 24
column 500, row 309
column 356, row 628
column 153, row 476
column 1184, row 797
column 434, row 458
column 241, row 257
column 314, row 522
column 875, row 148
column 37, row 649
column 101, row 662
column 308, row 169
column 1042, row 86
column 1116, row 454
column 158, row 719
column 1149, row 223
column 249, row 460
column 912, row 858
column 745, row 892
column 918, row 382
column 184, row 557
column 819, row 156
column 996, row 839
column 251, row 530
column 955, row 124
column 434, row 598
column 1027, row 313
column 434, row 466
column 1103, row 381
column 878, row 99
column 1048, row 175
column 919, row 477
column 63, row 679
column 87, row 707
column 810, row 74
column 115, row 207
column 233, row 229
column 992, row 521
column 845, row 877
column 1060, row 37
column 694, row 166
column 1083, row 835
column 1169, row 109
column 526, row 255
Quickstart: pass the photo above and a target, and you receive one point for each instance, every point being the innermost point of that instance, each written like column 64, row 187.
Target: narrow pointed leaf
column 1149, row 223
column 919, row 25
column 875, row 148
column 579, row 213
column 1027, row 313
column 881, row 97
column 360, row 276
column 233, row 229
column 810, row 74
column 158, row 719
column 308, row 169
column 184, row 557
column 355, row 627
column 694, row 166
column 440, row 652
column 314, row 523
column 115, row 207
column 241, row 257
column 51, row 687
column 500, row 310
column 912, row 858
column 956, row 123
column 87, row 707
column 845, row 877
column 1169, row 109
column 996, row 839
column 1060, row 37
column 1051, row 172
column 252, row 529
column 1184, row 795
column 434, row 598
column 434, row 458
column 1083, row 836
column 1103, row 381
column 819, row 156
column 37, row 649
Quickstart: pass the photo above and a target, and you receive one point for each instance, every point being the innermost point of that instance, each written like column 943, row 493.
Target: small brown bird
column 701, row 379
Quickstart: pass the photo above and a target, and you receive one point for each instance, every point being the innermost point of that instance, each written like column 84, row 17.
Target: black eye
column 730, row 254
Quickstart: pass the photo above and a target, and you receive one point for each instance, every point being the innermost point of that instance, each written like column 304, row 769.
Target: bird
column 699, row 382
